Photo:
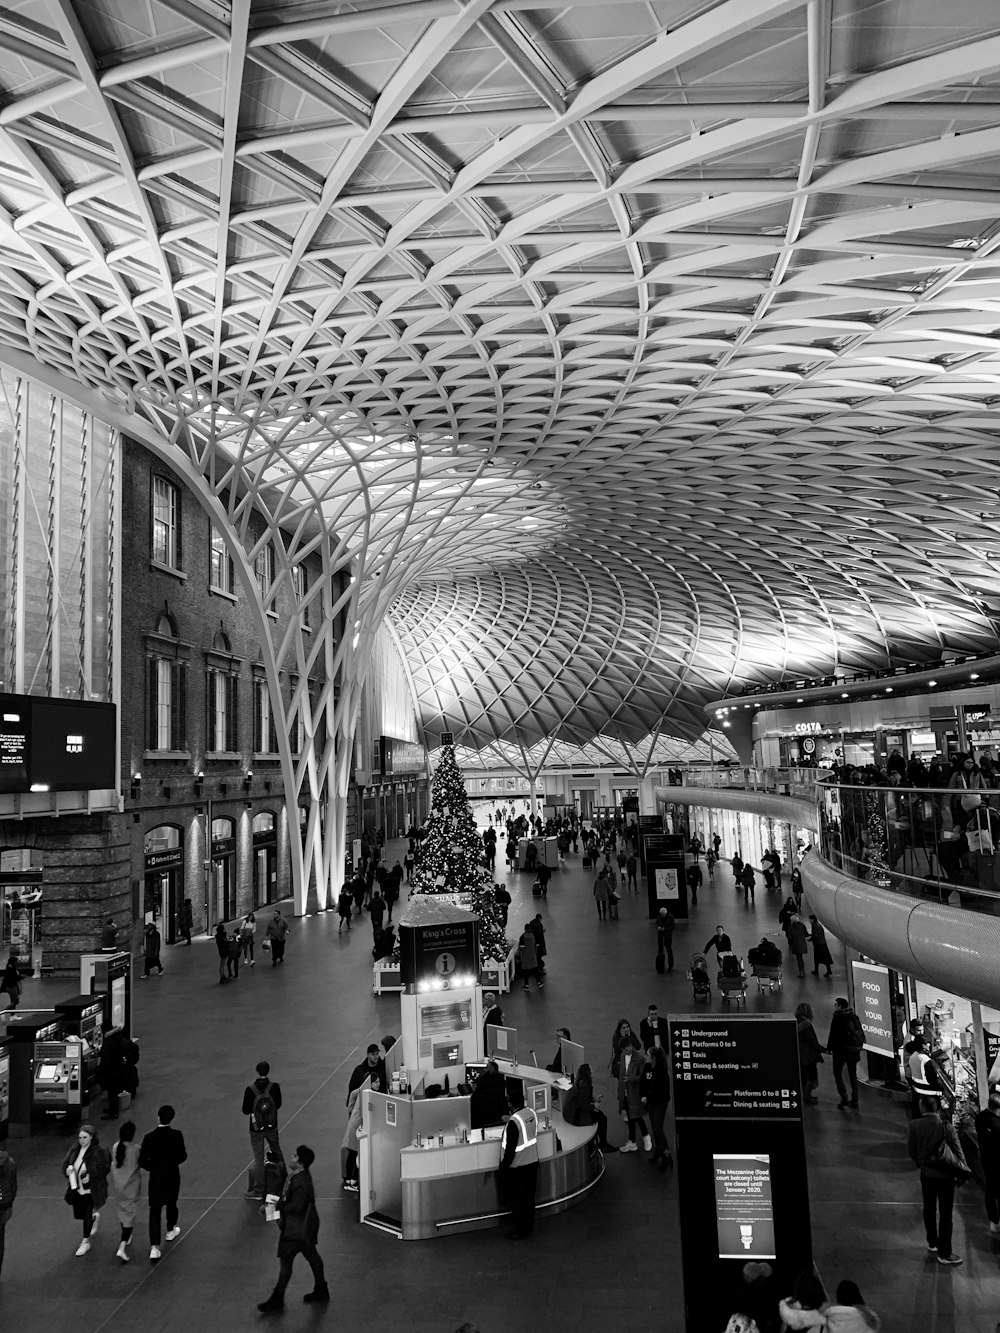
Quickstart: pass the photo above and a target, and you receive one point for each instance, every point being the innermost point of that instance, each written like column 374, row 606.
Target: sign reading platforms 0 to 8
column 735, row 1065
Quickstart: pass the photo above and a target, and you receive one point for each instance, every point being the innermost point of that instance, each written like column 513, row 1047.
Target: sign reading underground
column 737, row 1066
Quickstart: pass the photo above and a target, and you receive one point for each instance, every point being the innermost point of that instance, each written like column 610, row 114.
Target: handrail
column 940, row 843
column 780, row 781
column 850, row 678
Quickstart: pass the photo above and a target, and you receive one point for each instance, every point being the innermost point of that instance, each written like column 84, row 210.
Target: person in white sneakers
column 86, row 1167
column 988, row 1135
column 127, row 1180
column 161, row 1155
column 630, row 1072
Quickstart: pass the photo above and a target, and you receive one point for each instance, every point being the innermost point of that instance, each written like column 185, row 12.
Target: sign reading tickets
column 667, row 889
column 736, row 1066
column 873, row 1005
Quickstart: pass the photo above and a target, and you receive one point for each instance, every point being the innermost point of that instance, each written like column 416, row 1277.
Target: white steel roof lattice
column 634, row 352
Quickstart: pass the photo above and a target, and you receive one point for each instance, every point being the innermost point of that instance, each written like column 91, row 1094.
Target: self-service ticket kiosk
column 25, row 1027
column 4, row 1086
column 84, row 1019
column 58, row 1078
column 110, row 975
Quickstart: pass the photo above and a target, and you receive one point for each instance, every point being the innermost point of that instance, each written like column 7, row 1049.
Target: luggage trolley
column 766, row 975
column 732, row 978
column 698, row 975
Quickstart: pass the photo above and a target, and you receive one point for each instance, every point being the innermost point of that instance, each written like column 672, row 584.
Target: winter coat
column 798, row 937
column 151, row 943
column 821, row 950
column 810, row 1051
column 602, row 888
column 796, row 1317
column 851, row 1319
column 527, row 947
column 846, row 1038
column 127, row 1182
column 95, row 1164
column 630, row 1084
column 298, row 1217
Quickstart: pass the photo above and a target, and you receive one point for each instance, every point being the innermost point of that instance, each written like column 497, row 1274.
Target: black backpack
column 264, row 1113
column 730, row 965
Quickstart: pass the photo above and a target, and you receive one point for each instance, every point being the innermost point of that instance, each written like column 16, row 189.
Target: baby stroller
column 732, row 978
column 700, row 984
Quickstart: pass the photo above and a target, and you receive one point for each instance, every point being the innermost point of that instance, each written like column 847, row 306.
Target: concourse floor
column 610, row 1265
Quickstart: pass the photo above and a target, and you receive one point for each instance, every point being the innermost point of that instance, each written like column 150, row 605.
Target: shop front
column 222, row 871
column 163, row 879
column 743, row 833
column 264, row 836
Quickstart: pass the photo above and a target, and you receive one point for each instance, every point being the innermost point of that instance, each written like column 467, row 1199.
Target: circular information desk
column 455, row 1187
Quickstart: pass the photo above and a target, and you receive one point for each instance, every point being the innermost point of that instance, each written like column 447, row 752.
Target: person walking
column 694, row 879
column 798, row 942
column 602, row 894
column 86, row 1167
column 810, row 1051
column 222, row 947
column 937, row 1183
column 161, row 1154
column 277, row 929
column 748, row 882
column 248, row 936
column 652, row 1029
column 631, row 1069
column 665, row 923
column 720, row 942
column 8, row 1193
column 298, row 1221
column 988, row 1136
column 492, row 1016
column 537, row 926
column 261, row 1103
column 821, row 950
column 185, row 921
column 655, row 1096
column 527, row 953
column 519, row 1164
column 10, row 981
column 235, row 950
column 631, row 869
column 151, row 950
column 345, row 901
column 845, row 1044
column 126, row 1177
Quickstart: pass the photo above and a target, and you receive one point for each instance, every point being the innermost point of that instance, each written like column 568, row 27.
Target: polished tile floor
column 611, row 1265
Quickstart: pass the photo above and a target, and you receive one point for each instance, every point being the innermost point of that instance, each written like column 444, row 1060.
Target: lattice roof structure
column 631, row 352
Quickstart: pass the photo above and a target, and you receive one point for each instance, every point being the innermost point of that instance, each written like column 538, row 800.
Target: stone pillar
column 85, row 862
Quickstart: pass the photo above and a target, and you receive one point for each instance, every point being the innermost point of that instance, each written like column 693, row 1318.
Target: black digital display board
column 735, row 1065
column 56, row 744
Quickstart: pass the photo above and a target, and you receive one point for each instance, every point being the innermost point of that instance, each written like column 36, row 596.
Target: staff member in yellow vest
column 519, row 1165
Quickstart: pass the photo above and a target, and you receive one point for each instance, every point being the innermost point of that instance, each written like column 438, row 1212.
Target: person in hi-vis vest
column 519, row 1165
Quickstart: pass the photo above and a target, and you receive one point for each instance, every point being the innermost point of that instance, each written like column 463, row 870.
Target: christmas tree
column 450, row 859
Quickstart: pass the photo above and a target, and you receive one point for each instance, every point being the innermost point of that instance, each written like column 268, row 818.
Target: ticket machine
column 25, row 1027
column 84, row 1018
column 4, row 1086
column 110, row 975
column 58, row 1078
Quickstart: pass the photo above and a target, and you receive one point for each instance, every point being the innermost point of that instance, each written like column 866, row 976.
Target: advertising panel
column 56, row 744
column 667, row 884
column 873, row 1005
column 13, row 745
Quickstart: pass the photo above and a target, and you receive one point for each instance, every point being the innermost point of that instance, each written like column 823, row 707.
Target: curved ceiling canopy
column 636, row 352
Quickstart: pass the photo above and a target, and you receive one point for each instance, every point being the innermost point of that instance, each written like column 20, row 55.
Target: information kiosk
column 110, row 975
column 425, row 1171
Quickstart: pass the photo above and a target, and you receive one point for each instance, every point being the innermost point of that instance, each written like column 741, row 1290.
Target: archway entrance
column 163, row 887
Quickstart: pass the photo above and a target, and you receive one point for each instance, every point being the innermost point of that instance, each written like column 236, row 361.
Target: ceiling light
column 932, row 682
column 974, row 675
column 844, row 695
column 888, row 689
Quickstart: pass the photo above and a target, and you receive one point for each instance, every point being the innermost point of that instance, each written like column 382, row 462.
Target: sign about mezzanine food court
column 873, row 1006
column 740, row 1066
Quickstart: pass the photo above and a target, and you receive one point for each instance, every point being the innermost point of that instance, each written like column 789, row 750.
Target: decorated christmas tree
column 451, row 855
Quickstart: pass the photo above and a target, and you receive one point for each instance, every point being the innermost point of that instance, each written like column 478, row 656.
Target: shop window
column 221, row 576
column 166, row 526
column 265, row 736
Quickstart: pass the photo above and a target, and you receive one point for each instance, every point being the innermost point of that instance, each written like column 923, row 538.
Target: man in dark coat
column 8, row 1193
column 821, row 950
column 161, row 1154
column 665, row 923
column 988, row 1135
column 492, row 1016
column 299, row 1223
column 845, row 1043
column 372, row 1066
